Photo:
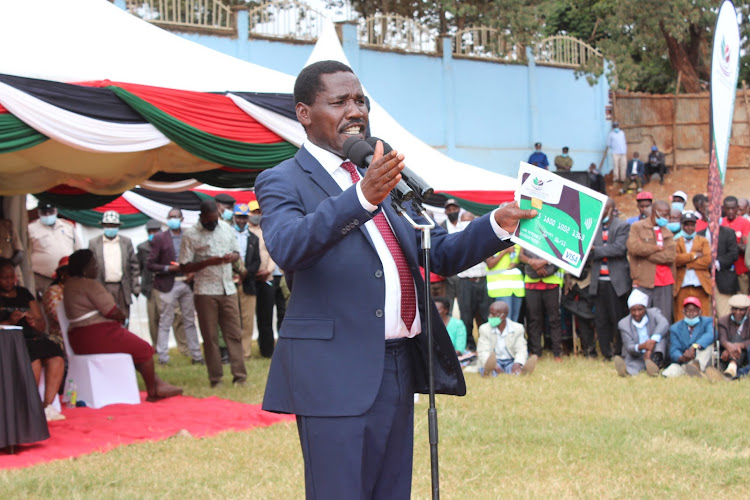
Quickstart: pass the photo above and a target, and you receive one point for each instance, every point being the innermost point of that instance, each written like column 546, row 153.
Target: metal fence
column 210, row 14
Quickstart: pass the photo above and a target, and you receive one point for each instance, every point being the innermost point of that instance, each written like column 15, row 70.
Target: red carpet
column 87, row 431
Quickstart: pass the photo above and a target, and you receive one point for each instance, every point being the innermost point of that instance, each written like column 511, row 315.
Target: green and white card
column 568, row 217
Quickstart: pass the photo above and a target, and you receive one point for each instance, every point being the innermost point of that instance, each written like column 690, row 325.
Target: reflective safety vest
column 504, row 282
column 555, row 279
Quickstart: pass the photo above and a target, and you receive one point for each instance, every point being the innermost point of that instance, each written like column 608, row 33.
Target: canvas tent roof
column 160, row 124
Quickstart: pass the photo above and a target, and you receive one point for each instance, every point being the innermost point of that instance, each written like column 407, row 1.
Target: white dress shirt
column 394, row 325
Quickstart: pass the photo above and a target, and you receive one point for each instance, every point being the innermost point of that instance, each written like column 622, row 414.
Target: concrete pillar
column 533, row 107
column 242, row 25
column 449, row 96
column 350, row 43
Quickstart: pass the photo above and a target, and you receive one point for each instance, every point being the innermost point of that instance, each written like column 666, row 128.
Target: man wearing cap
column 610, row 279
column 538, row 158
column 265, row 287
column 734, row 335
column 693, row 268
column 619, row 147
column 645, row 334
column 249, row 264
column 225, row 203
column 741, row 228
column 173, row 290
column 643, row 200
column 651, row 251
column 563, row 162
column 209, row 249
column 691, row 343
column 453, row 225
column 147, row 278
column 656, row 165
column 118, row 265
column 50, row 239
column 679, row 198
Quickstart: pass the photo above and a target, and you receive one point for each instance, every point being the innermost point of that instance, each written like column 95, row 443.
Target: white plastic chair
column 101, row 379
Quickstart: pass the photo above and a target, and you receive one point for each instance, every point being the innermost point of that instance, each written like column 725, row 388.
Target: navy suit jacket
column 329, row 357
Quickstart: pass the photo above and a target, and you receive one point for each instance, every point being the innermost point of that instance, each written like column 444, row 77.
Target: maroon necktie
column 408, row 299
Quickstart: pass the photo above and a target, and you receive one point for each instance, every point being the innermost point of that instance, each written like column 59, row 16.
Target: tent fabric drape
column 15, row 134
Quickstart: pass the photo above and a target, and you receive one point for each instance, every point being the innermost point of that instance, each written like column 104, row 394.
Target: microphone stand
column 432, row 411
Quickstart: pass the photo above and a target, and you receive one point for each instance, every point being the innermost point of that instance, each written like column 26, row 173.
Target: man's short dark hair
column 731, row 199
column 699, row 198
column 208, row 206
column 308, row 83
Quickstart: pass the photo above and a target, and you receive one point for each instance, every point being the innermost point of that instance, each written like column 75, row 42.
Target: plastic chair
column 101, row 379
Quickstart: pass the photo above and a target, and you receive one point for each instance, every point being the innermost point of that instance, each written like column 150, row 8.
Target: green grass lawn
column 571, row 430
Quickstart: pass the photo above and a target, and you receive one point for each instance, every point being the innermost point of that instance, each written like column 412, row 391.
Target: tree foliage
column 649, row 42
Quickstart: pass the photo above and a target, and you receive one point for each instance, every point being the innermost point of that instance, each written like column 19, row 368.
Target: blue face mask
column 605, row 220
column 688, row 236
column 692, row 321
column 678, row 205
column 238, row 228
column 662, row 221
column 564, row 155
column 674, row 227
column 616, row 129
column 111, row 232
column 227, row 215
column 48, row 220
column 151, row 237
column 494, row 321
column 740, row 321
column 173, row 223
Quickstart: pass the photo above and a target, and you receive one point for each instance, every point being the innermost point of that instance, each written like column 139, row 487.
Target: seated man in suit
column 502, row 346
column 691, row 343
column 352, row 349
column 645, row 334
column 635, row 173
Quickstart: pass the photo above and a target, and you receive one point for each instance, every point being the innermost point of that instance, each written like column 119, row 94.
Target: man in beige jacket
column 502, row 345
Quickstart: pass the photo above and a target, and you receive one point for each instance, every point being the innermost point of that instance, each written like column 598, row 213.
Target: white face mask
column 641, row 323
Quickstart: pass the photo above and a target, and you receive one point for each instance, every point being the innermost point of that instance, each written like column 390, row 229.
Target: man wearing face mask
column 741, row 228
column 563, row 162
column 118, row 269
column 651, row 251
column 643, row 200
column 645, row 336
column 208, row 249
column 693, row 268
column 50, row 239
column 618, row 145
column 452, row 225
column 674, row 224
column 245, row 279
column 734, row 336
column 173, row 290
column 610, row 279
column 691, row 344
column 501, row 348
column 225, row 204
column 678, row 200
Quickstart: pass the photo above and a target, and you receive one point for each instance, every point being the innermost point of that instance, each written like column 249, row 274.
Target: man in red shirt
column 741, row 228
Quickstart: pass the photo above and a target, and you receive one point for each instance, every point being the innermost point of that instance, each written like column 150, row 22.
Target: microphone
column 361, row 153
column 420, row 187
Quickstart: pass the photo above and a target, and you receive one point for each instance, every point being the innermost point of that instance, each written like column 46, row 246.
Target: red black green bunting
column 93, row 218
column 185, row 200
column 97, row 103
column 16, row 135
column 76, row 201
column 208, row 146
column 281, row 104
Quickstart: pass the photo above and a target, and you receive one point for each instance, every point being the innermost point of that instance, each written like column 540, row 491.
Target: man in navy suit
column 352, row 350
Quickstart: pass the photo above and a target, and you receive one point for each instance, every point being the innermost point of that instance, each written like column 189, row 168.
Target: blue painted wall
column 484, row 113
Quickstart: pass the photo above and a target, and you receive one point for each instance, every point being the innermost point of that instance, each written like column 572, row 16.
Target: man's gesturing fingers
column 382, row 175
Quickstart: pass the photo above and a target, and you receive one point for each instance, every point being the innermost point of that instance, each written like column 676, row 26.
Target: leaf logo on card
column 537, row 183
column 588, row 222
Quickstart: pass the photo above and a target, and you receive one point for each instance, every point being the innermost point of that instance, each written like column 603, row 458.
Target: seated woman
column 96, row 324
column 18, row 307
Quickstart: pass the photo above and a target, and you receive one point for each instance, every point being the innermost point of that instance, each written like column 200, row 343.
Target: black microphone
column 361, row 153
column 421, row 189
